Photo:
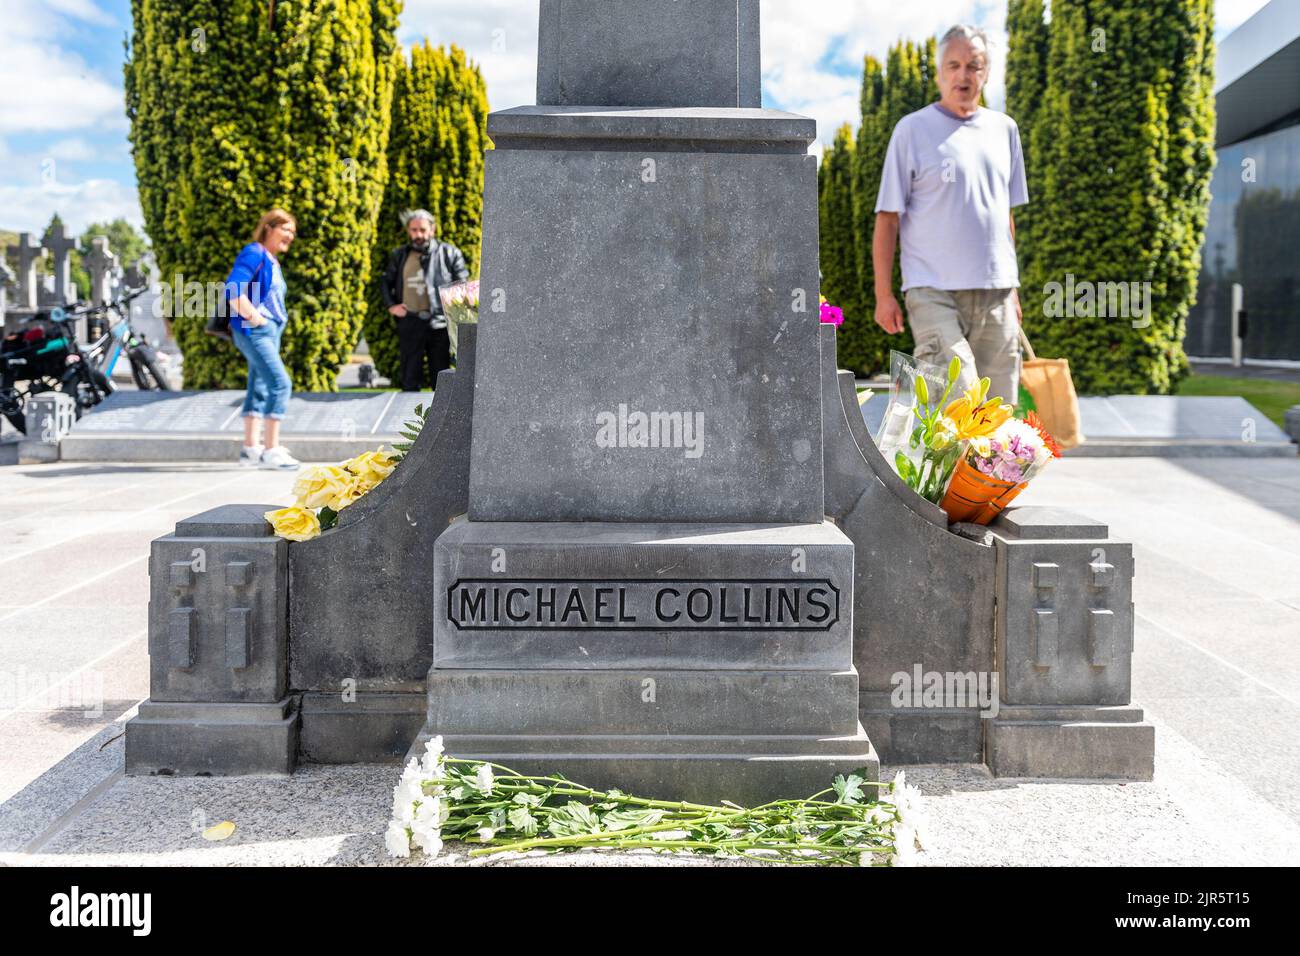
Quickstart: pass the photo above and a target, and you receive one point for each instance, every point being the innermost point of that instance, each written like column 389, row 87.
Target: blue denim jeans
column 268, row 381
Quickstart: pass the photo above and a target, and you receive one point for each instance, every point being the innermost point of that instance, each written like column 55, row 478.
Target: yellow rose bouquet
column 322, row 491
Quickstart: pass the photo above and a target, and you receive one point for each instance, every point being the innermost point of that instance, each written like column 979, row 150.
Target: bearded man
column 415, row 272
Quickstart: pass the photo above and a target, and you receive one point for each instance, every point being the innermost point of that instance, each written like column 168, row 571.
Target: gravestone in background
column 28, row 253
column 102, row 265
column 60, row 246
column 646, row 593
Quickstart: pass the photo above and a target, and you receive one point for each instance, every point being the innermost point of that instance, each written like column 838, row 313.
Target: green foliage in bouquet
column 410, row 431
column 849, row 182
column 236, row 107
column 1115, row 104
column 435, row 162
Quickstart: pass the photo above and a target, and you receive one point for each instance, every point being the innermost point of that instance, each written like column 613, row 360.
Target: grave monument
column 644, row 538
column 102, row 265
column 60, row 246
column 27, row 254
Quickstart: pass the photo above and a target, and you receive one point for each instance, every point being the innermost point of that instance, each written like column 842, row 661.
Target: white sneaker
column 278, row 459
column 250, row 455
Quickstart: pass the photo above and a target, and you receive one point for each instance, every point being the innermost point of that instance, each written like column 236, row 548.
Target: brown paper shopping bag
column 1052, row 388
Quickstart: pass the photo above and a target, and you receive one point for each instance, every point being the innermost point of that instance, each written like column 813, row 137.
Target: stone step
column 748, row 770
column 713, row 702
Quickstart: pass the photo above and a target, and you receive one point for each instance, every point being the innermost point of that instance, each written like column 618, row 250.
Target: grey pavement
column 1217, row 663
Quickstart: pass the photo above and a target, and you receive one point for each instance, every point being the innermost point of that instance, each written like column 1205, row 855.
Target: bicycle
column 120, row 337
column 46, row 356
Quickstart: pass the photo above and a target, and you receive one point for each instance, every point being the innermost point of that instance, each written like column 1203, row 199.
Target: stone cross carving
column 28, row 251
column 650, row 53
column 60, row 245
column 102, row 266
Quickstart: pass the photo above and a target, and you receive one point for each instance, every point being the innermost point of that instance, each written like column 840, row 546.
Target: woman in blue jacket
column 258, row 317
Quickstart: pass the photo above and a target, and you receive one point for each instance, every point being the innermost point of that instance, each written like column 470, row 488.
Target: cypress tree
column 1027, row 44
column 904, row 85
column 240, row 105
column 435, row 161
column 839, row 253
column 1124, row 144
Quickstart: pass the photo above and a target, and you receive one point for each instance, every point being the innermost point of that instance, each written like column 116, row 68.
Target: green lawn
column 1271, row 398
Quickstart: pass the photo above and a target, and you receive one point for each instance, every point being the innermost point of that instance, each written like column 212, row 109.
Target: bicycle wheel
column 77, row 383
column 12, row 409
column 148, row 374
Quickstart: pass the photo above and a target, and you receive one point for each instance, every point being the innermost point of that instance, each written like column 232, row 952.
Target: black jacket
column 443, row 263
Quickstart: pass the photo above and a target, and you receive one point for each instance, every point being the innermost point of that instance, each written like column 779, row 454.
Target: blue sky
column 63, row 133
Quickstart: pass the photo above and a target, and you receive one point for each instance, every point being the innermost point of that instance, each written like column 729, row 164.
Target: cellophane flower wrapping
column 896, row 427
column 460, row 306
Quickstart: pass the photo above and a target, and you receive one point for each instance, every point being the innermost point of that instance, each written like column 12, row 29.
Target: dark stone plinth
column 706, row 661
column 361, row 727
column 217, row 613
column 684, row 129
column 213, row 739
column 622, row 596
column 228, row 521
column 649, row 53
column 1029, row 523
column 1103, row 743
column 641, row 356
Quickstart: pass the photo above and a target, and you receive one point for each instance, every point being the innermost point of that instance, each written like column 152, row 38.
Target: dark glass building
column 1253, row 235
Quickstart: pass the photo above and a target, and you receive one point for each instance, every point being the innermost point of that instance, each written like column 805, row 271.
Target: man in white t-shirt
column 952, row 175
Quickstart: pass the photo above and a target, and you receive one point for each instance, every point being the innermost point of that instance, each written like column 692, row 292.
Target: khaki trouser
column 978, row 326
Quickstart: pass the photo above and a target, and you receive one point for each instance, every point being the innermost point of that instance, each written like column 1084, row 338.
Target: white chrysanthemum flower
column 429, row 812
column 426, row 827
column 430, row 841
column 898, row 788
column 904, row 846
column 432, row 762
column 397, row 840
column 408, row 792
column 484, row 779
column 404, row 803
column 909, row 801
column 486, row 833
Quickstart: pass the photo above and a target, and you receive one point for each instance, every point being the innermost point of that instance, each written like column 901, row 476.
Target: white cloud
column 500, row 35
column 85, row 10
column 28, row 208
column 43, row 87
column 73, row 149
